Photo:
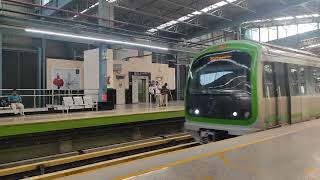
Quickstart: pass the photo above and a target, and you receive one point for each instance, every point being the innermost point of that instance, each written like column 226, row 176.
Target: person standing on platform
column 15, row 101
column 158, row 94
column 164, row 95
column 151, row 93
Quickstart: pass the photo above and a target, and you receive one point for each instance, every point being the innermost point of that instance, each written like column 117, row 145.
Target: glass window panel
column 264, row 34
column 282, row 32
column 255, row 34
column 45, row 2
column 272, row 33
column 291, row 30
column 307, row 27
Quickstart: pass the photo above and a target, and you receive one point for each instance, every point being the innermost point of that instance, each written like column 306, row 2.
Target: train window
column 316, row 79
column 302, row 80
column 280, row 79
column 294, row 80
column 309, row 80
column 268, row 81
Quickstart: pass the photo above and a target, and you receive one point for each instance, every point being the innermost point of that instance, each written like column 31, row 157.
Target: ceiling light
column 94, row 39
column 315, row 15
column 209, row 8
column 231, row 1
column 221, row 3
column 197, row 13
column 311, row 46
column 183, row 18
column 284, row 18
column 303, row 16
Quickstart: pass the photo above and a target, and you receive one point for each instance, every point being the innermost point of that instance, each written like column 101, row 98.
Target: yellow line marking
column 103, row 164
column 309, row 170
column 222, row 157
column 55, row 162
column 213, row 153
column 205, row 178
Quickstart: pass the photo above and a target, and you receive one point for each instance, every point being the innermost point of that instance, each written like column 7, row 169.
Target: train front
column 219, row 95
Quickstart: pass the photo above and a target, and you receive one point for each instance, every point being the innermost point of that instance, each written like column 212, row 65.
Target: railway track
column 97, row 158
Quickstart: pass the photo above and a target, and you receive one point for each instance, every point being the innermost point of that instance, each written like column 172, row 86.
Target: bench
column 78, row 102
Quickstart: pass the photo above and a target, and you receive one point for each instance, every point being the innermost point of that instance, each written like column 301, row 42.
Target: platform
column 58, row 121
column 291, row 152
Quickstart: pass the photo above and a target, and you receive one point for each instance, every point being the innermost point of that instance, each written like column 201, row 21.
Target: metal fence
column 38, row 98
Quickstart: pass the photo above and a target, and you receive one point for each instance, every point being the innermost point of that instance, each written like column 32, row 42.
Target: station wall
column 159, row 72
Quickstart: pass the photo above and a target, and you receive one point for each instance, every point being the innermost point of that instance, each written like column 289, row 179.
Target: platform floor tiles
column 128, row 109
column 291, row 152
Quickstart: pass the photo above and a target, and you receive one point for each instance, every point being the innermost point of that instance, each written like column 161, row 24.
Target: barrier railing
column 45, row 97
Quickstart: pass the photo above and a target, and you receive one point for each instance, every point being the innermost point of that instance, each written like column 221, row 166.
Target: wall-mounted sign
column 219, row 57
column 65, row 78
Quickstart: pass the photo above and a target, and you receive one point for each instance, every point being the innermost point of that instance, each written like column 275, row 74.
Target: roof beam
column 58, row 4
column 159, row 17
column 193, row 9
column 262, row 12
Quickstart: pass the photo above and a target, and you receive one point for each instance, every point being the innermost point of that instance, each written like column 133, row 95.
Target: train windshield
column 221, row 72
column 219, row 86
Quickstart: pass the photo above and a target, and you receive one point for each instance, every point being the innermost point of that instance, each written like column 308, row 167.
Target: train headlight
column 196, row 112
column 235, row 114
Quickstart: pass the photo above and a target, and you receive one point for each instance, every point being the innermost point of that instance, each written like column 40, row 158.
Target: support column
column 42, row 71
column 104, row 10
column 102, row 73
column 1, row 62
column 178, row 85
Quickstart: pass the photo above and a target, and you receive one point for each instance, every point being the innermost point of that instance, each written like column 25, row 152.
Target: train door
column 282, row 93
column 270, row 114
column 295, row 88
column 276, row 92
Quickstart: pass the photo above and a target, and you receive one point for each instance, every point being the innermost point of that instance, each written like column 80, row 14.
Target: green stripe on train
column 9, row 130
column 252, row 49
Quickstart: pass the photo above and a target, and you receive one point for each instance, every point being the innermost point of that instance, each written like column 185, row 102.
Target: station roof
column 170, row 21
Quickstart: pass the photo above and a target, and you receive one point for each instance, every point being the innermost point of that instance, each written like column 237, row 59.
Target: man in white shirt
column 158, row 93
column 151, row 93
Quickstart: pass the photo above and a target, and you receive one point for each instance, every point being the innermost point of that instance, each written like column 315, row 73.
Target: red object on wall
column 58, row 82
column 104, row 98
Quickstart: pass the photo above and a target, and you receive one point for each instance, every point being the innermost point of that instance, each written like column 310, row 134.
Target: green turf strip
column 9, row 130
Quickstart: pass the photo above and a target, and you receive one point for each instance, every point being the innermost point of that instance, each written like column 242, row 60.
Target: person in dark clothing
column 164, row 95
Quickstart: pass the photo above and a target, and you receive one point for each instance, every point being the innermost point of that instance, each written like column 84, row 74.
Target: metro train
column 242, row 87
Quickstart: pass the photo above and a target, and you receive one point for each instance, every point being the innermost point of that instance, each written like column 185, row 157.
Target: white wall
column 91, row 69
column 91, row 72
column 159, row 72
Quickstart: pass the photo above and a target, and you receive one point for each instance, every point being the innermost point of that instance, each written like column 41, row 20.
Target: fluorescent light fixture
column 311, row 46
column 231, row 1
column 315, row 15
column 303, row 16
column 284, row 18
column 94, row 39
column 209, row 8
column 197, row 13
column 221, row 3
column 92, row 6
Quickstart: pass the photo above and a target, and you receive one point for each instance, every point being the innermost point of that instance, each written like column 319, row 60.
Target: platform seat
column 79, row 103
column 68, row 103
column 90, row 103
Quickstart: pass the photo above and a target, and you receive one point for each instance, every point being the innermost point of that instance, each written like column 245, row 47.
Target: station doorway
column 140, row 89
